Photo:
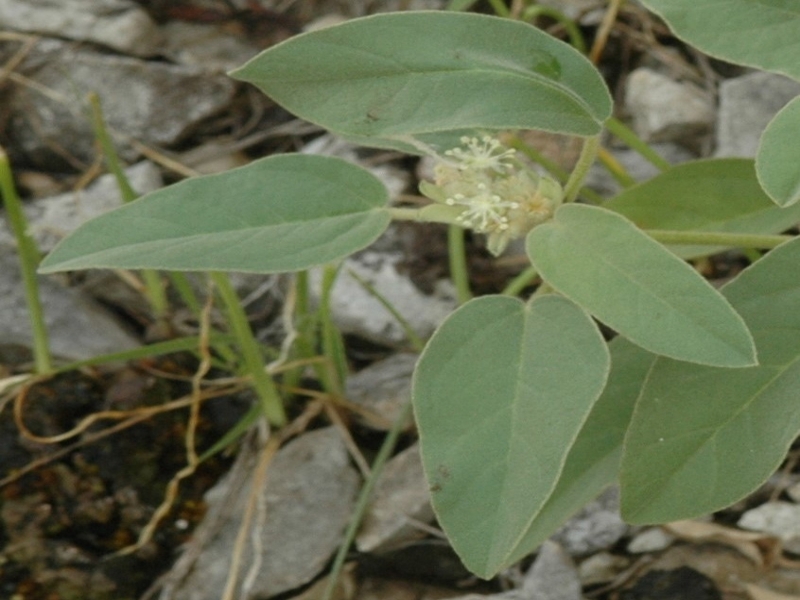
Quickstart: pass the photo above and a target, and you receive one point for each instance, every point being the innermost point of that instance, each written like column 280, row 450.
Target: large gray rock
column 78, row 328
column 664, row 110
column 383, row 389
column 598, row 526
column 356, row 311
column 52, row 219
column 121, row 25
column 205, row 46
column 401, row 500
column 152, row 102
column 746, row 105
column 308, row 497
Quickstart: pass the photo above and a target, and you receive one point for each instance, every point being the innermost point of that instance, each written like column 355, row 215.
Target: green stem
column 29, row 258
column 417, row 343
column 717, row 238
column 156, row 294
column 389, row 442
column 588, row 153
column 575, row 35
column 262, row 382
column 624, row 133
column 332, row 342
column 615, row 169
column 499, row 8
column 458, row 263
column 409, row 214
column 520, row 282
column 551, row 167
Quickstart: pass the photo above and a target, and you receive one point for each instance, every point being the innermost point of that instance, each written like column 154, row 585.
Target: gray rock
column 383, row 389
column 653, row 539
column 598, row 526
column 780, row 519
column 152, row 102
column 78, row 328
column 205, row 46
column 401, row 498
column 637, row 167
column 552, row 577
column 746, row 106
column 121, row 25
column 52, row 219
column 308, row 497
column 664, row 110
column 356, row 311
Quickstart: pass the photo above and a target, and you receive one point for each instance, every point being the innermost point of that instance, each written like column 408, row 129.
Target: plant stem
column 624, row 133
column 389, row 442
column 29, row 258
column 717, row 238
column 332, row 343
column 615, row 169
column 588, row 153
column 409, row 214
column 520, row 282
column 458, row 262
column 572, row 29
column 271, row 403
column 156, row 294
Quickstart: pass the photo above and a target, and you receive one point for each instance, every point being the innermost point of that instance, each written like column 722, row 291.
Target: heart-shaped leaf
column 593, row 461
column 778, row 159
column 397, row 76
column 762, row 33
column 705, row 195
column 500, row 394
column 633, row 284
column 280, row 213
column 702, row 438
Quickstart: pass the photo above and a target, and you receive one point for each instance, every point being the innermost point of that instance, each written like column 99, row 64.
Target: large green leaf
column 778, row 160
column 605, row 264
column 702, row 438
column 396, row 76
column 276, row 214
column 593, row 461
column 705, row 195
column 757, row 33
column 500, row 394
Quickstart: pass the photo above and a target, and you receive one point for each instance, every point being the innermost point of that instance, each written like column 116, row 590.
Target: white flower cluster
column 493, row 192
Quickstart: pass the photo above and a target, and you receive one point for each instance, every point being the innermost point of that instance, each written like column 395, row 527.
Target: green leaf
column 500, row 394
column 778, row 159
column 756, row 33
column 702, row 438
column 602, row 262
column 280, row 213
column 705, row 195
column 396, row 76
column 593, row 461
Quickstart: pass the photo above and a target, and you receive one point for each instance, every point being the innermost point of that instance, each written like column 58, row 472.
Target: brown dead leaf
column 759, row 593
column 762, row 549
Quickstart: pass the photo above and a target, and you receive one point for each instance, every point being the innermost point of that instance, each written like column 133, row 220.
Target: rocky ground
column 86, row 457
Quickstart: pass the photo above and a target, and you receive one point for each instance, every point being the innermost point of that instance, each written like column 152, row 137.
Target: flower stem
column 29, row 258
column 458, row 262
column 585, row 160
